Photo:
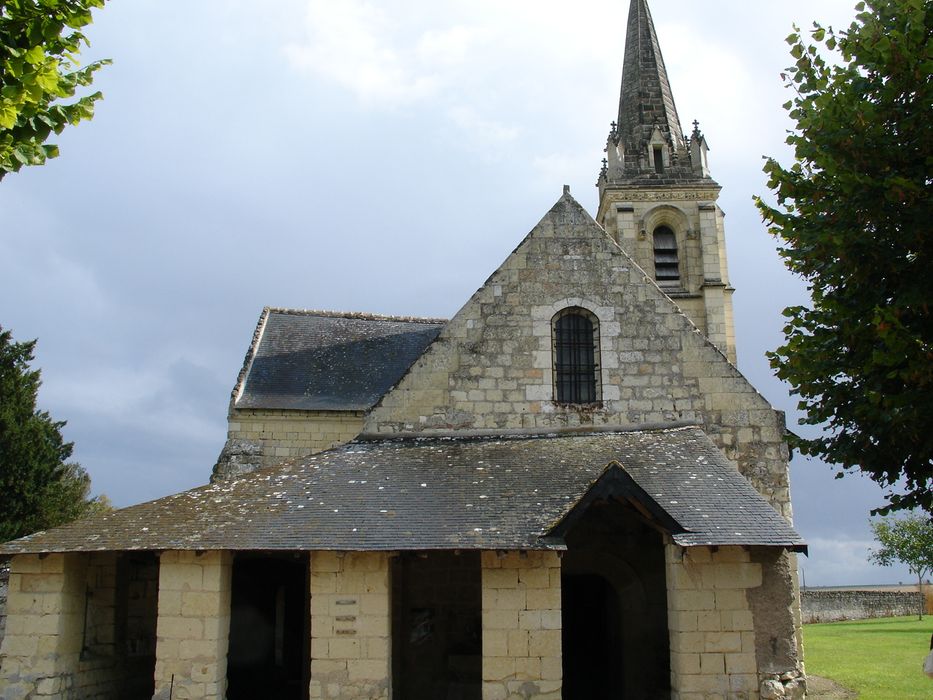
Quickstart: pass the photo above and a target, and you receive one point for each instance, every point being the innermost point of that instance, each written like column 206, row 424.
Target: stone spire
column 646, row 143
column 646, row 100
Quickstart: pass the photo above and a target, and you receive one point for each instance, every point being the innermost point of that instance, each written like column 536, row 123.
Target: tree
column 39, row 43
column 908, row 540
column 853, row 219
column 39, row 487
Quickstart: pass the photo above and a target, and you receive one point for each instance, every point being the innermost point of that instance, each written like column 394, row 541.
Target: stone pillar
column 45, row 614
column 521, row 626
column 717, row 294
column 193, row 626
column 350, row 629
column 711, row 623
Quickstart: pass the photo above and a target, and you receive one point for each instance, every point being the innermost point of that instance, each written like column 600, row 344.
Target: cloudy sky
column 380, row 156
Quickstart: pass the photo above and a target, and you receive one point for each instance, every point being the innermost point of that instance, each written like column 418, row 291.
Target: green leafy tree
column 853, row 219
column 39, row 487
column 907, row 540
column 39, row 44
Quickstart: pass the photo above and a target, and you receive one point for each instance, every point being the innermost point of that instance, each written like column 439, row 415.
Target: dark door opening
column 615, row 638
column 139, row 573
column 591, row 640
column 268, row 655
column 437, row 651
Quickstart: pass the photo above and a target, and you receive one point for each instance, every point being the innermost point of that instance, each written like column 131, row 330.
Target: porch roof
column 440, row 493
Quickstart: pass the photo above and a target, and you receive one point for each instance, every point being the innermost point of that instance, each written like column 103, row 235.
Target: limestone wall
column 193, row 625
column 261, row 438
column 491, row 367
column 833, row 606
column 45, row 607
column 69, row 629
column 350, row 632
column 521, row 626
column 719, row 646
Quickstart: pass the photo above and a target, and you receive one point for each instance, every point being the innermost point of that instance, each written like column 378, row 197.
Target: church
column 567, row 490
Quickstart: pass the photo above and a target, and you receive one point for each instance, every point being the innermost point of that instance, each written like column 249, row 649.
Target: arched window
column 576, row 357
column 666, row 264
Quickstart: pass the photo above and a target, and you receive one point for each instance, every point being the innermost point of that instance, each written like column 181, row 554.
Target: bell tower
column 656, row 195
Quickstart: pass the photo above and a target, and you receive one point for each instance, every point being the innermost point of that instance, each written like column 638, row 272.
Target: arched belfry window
column 666, row 264
column 576, row 356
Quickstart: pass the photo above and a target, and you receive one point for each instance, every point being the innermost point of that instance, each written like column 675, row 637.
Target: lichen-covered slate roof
column 320, row 361
column 439, row 493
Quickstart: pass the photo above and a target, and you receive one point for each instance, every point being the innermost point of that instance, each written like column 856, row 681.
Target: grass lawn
column 880, row 659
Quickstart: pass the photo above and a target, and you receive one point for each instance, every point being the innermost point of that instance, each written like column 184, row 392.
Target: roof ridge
column 358, row 315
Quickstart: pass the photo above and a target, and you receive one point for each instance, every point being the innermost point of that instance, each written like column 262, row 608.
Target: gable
column 492, row 366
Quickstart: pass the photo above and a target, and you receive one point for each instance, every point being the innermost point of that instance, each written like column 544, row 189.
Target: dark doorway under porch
column 614, row 607
column 268, row 655
column 437, row 626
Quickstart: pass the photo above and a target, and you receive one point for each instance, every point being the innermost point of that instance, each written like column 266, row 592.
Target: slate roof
column 439, row 493
column 313, row 360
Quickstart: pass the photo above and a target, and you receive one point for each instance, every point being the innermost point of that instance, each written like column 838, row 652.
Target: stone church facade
column 567, row 490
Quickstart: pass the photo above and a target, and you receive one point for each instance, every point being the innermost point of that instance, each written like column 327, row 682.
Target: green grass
column 880, row 659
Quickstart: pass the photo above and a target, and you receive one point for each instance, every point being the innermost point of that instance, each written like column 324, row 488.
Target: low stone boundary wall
column 833, row 606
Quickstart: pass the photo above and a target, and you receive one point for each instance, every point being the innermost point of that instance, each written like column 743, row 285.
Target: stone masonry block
column 543, row 599
column 500, row 579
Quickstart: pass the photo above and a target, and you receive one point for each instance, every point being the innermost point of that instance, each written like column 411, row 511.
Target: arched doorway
column 614, row 598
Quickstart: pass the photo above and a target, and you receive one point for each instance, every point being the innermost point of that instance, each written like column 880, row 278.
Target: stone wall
column 833, row 606
column 41, row 649
column 350, row 632
column 491, row 367
column 521, row 626
column 714, row 627
column 69, row 629
column 193, row 625
column 260, row 438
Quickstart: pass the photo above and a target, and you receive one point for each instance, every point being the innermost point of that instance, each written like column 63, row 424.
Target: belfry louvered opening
column 576, row 357
column 666, row 262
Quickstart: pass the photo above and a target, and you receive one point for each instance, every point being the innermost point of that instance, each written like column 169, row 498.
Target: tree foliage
column 853, row 218
column 907, row 540
column 39, row 487
column 39, row 44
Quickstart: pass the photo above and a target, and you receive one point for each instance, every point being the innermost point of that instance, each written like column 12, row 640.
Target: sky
column 368, row 156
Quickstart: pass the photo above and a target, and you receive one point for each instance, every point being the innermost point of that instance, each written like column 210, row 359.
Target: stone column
column 521, row 626
column 717, row 294
column 45, row 614
column 350, row 630
column 193, row 626
column 711, row 624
